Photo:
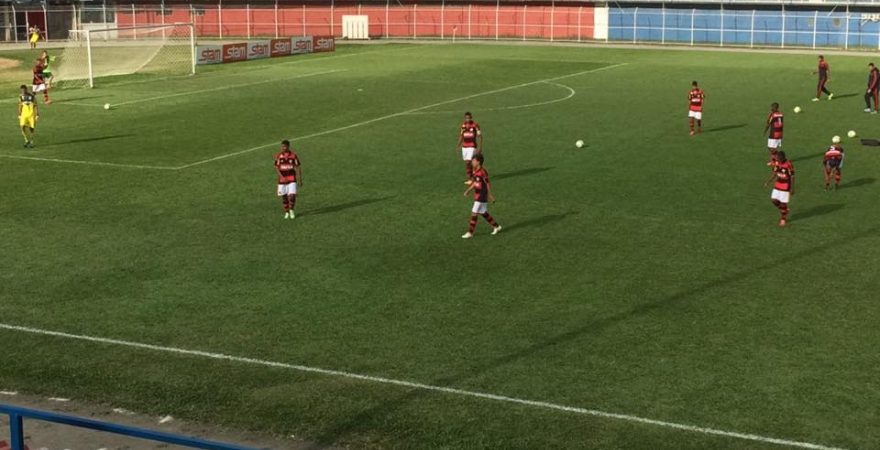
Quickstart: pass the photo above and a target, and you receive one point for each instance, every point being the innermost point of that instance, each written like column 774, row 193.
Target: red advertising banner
column 323, row 44
column 235, row 52
column 279, row 47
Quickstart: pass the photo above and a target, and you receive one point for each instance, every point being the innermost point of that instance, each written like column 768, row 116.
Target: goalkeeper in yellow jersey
column 27, row 116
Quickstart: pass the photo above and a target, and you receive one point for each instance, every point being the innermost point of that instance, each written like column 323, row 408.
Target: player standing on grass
column 34, row 32
column 40, row 82
column 482, row 196
column 774, row 126
column 824, row 72
column 833, row 162
column 27, row 116
column 289, row 173
column 470, row 140
column 695, row 112
column 873, row 87
column 783, row 185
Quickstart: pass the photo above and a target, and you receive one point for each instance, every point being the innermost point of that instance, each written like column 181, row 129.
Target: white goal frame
column 108, row 31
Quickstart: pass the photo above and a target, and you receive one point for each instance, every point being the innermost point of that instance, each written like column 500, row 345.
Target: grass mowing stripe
column 426, row 387
column 403, row 113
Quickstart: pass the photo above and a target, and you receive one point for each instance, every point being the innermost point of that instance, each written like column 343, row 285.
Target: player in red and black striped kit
column 774, row 126
column 783, row 185
column 470, row 139
column 39, row 81
column 833, row 162
column 695, row 107
column 873, row 91
column 824, row 72
column 289, row 177
column 482, row 196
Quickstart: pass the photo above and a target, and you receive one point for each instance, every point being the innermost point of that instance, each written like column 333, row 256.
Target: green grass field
column 642, row 275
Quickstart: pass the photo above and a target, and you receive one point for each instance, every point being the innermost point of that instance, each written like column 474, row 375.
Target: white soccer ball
column 835, row 140
column 797, row 109
column 579, row 143
column 851, row 133
column 106, row 106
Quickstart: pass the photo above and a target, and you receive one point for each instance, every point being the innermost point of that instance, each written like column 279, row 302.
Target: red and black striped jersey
column 695, row 97
column 38, row 74
column 823, row 69
column 286, row 163
column 481, row 185
column 834, row 153
column 774, row 120
column 469, row 132
column 784, row 175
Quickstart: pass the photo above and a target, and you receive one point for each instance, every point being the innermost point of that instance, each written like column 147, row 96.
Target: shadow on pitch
column 76, row 99
column 520, row 173
column 539, row 221
column 851, row 94
column 91, row 139
column 725, row 127
column 858, row 182
column 343, row 206
column 818, row 210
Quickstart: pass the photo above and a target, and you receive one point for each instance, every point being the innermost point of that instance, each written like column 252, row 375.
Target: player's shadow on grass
column 91, row 139
column 521, row 172
column 538, row 221
column 725, row 127
column 343, row 206
column 851, row 94
column 859, row 182
column 818, row 210
column 76, row 99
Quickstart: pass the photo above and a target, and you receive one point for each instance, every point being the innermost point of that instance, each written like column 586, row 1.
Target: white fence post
column 46, row 21
column 276, row 20
column 332, row 14
column 497, row 11
column 693, row 13
column 525, row 12
column 387, row 3
column 722, row 25
column 815, row 25
column 220, row 18
column 469, row 20
column 552, row 19
column 134, row 20
column 304, row 19
column 752, row 32
column 414, row 21
column 635, row 21
column 247, row 12
column 846, row 33
column 580, row 13
column 162, row 15
column 663, row 23
column 783, row 25
column 442, row 18
column 15, row 21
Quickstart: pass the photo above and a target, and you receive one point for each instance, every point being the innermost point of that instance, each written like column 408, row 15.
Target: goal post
column 92, row 54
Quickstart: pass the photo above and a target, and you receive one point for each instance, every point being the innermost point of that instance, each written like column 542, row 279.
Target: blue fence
column 16, row 429
column 715, row 25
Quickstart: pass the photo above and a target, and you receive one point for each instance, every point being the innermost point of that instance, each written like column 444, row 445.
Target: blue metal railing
column 16, row 429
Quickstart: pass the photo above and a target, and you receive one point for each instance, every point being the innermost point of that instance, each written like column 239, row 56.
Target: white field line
column 86, row 163
column 425, row 387
column 402, row 113
column 571, row 93
column 226, row 87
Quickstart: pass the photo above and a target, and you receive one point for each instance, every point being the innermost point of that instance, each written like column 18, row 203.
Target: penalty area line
column 425, row 387
column 403, row 113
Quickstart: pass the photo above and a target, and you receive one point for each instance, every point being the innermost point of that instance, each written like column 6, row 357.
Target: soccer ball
column 106, row 106
column 579, row 143
column 835, row 140
column 797, row 109
column 851, row 133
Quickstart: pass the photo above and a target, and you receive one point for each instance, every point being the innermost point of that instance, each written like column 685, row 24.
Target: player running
column 470, row 140
column 695, row 105
column 783, row 187
column 46, row 60
column 482, row 196
column 824, row 72
column 833, row 162
column 40, row 82
column 873, row 87
column 289, row 173
column 774, row 126
column 28, row 113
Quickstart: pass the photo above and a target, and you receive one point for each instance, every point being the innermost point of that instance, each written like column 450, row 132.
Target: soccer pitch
column 641, row 294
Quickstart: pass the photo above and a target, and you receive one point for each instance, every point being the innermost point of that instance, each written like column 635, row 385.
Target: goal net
column 90, row 55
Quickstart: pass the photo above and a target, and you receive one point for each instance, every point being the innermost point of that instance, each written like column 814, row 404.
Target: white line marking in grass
column 10, row 393
column 425, row 387
column 166, row 419
column 402, row 113
column 87, row 163
column 223, row 88
column 123, row 411
column 571, row 93
column 59, row 399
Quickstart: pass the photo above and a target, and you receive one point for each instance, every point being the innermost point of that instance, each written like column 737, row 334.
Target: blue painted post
column 16, row 431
